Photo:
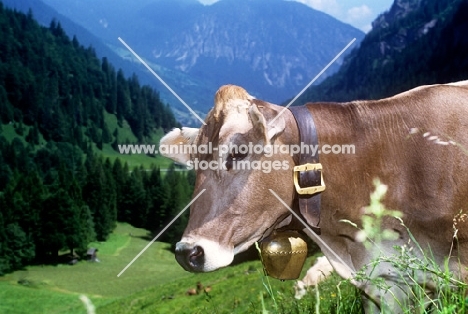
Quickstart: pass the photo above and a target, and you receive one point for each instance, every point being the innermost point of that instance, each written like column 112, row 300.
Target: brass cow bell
column 283, row 255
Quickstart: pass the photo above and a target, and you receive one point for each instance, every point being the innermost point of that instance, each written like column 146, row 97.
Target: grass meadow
column 126, row 137
column 56, row 289
column 155, row 283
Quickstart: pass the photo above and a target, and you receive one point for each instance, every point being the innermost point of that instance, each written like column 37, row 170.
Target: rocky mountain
column 275, row 48
column 272, row 47
column 406, row 22
column 399, row 10
column 416, row 42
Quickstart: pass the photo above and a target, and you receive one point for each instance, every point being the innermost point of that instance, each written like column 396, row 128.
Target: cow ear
column 262, row 126
column 172, row 144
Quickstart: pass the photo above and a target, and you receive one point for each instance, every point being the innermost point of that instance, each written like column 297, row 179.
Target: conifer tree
column 157, row 195
column 135, row 205
column 179, row 196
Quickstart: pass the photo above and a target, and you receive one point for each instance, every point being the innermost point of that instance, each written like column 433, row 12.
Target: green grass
column 38, row 299
column 125, row 133
column 135, row 160
column 126, row 137
column 236, row 289
column 9, row 132
column 154, row 283
column 55, row 289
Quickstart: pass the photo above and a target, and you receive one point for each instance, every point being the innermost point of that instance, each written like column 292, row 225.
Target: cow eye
column 234, row 157
column 238, row 156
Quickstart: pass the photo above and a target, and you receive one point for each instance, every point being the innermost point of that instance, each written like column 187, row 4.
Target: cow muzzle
column 202, row 255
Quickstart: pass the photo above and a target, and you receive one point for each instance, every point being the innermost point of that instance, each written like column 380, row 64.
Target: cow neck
column 309, row 204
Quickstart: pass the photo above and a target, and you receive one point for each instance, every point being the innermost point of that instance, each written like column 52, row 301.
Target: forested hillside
column 56, row 191
column 54, row 83
column 416, row 43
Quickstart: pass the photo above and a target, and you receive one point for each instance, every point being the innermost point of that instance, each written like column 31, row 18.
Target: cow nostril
column 191, row 258
column 196, row 255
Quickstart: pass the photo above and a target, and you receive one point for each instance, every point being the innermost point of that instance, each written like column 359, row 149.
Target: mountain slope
column 271, row 47
column 61, row 110
column 53, row 83
column 416, row 42
column 273, row 41
column 44, row 14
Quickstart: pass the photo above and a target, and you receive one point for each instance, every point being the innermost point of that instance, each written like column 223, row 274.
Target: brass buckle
column 309, row 189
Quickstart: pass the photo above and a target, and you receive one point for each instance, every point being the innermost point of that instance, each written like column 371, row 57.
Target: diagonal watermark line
column 162, row 231
column 317, row 238
column 161, row 80
column 314, row 79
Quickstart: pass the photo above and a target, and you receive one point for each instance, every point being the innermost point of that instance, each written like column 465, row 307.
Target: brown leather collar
column 308, row 176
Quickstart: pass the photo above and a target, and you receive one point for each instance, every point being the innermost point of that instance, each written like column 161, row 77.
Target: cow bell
column 283, row 255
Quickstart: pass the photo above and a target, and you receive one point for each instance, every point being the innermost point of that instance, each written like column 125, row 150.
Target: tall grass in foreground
column 410, row 260
column 328, row 296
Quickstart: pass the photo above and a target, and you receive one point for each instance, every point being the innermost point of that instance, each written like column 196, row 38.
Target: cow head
column 237, row 208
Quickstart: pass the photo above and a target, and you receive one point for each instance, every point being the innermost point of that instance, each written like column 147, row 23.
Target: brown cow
column 427, row 180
